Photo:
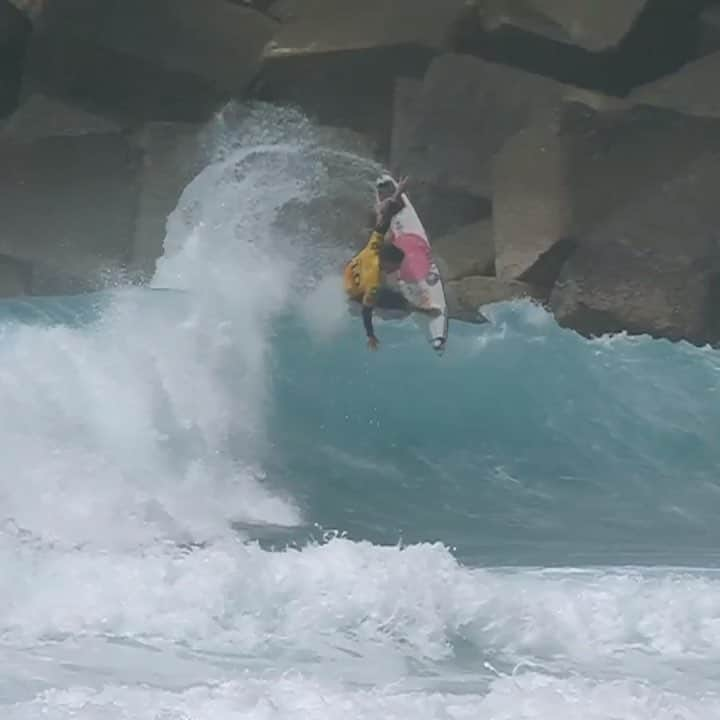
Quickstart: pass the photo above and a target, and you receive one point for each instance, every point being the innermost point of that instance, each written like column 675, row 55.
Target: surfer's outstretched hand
column 401, row 186
column 373, row 343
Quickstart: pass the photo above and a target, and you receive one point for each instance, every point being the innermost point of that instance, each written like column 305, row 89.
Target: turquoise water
column 217, row 504
column 525, row 444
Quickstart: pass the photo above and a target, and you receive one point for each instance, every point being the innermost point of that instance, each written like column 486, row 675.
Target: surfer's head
column 385, row 187
column 391, row 257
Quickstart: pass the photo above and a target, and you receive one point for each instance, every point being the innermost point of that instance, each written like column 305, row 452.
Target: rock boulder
column 68, row 203
column 15, row 31
column 592, row 25
column 653, row 266
column 39, row 116
column 15, row 277
column 214, row 40
column 466, row 297
column 531, row 200
column 694, row 89
column 171, row 157
column 560, row 179
column 466, row 111
column 139, row 61
column 328, row 26
column 470, row 250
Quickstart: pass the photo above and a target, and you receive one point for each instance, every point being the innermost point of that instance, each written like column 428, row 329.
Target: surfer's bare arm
column 401, row 187
column 367, row 312
column 389, row 208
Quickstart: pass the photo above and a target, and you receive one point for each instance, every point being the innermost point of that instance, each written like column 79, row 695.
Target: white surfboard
column 419, row 278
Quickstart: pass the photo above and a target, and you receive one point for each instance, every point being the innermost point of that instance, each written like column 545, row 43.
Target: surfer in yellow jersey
column 366, row 274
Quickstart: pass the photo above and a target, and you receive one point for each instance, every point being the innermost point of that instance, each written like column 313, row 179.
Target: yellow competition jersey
column 362, row 273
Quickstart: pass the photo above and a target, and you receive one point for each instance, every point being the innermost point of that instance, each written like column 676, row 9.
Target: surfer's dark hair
column 391, row 254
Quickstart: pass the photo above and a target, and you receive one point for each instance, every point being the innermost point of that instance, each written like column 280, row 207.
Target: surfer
column 366, row 276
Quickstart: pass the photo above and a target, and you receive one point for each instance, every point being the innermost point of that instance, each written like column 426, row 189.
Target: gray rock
column 593, row 25
column 326, row 26
column 72, row 66
column 15, row 31
column 32, row 9
column 564, row 177
column 472, row 293
column 69, row 203
column 709, row 39
column 443, row 208
column 172, row 156
column 531, row 202
column 215, row 40
column 139, row 61
column 15, row 277
column 469, row 250
column 467, row 110
column 407, row 106
column 711, row 16
column 39, row 116
column 694, row 89
column 352, row 89
column 654, row 266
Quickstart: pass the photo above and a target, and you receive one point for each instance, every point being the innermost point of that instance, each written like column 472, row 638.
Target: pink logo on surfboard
column 417, row 263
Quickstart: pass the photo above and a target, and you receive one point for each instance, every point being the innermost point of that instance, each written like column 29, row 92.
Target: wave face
column 217, row 504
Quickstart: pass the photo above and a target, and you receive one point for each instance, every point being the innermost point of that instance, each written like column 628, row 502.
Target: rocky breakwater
column 101, row 129
column 561, row 150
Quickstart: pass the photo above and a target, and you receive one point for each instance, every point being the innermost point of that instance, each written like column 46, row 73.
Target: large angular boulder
column 172, row 155
column 215, row 40
column 139, row 61
column 406, row 114
column 709, row 31
column 15, row 31
column 531, row 201
column 466, row 111
column 694, row 89
column 593, row 25
column 468, row 296
column 470, row 250
column 15, row 277
column 563, row 177
column 68, row 203
column 31, row 9
column 327, row 26
column 337, row 60
column 352, row 89
column 608, row 47
column 76, row 68
column 39, row 116
column 652, row 267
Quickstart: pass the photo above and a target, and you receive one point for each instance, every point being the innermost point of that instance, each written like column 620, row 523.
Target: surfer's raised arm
column 388, row 207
